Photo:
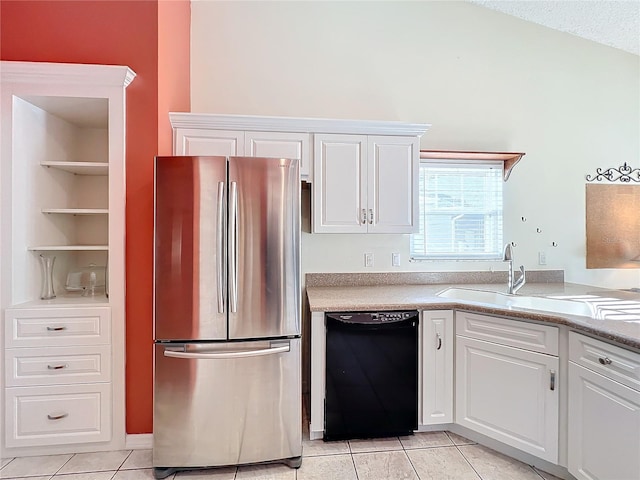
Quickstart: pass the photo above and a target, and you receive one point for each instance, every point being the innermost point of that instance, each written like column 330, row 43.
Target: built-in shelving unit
column 62, row 195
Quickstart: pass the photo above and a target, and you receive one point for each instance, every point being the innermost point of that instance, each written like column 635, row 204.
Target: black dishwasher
column 371, row 387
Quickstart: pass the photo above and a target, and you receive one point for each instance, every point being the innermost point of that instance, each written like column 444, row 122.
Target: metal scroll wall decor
column 613, row 218
column 621, row 174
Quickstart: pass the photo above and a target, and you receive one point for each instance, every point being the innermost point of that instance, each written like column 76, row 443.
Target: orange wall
column 174, row 64
column 132, row 33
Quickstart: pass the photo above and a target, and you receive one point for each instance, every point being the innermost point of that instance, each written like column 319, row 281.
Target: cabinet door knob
column 604, row 360
column 57, row 416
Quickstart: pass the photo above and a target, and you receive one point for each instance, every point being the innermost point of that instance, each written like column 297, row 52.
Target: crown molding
column 65, row 73
column 208, row 121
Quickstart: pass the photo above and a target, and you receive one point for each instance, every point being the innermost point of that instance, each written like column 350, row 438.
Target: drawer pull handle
column 56, row 329
column 58, row 416
column 57, row 367
column 439, row 342
column 604, row 360
column 552, row 380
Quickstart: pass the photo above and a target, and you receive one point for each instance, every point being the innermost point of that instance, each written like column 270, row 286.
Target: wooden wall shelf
column 509, row 158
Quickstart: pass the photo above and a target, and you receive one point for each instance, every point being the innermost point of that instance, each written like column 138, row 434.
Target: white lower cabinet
column 58, row 376
column 509, row 394
column 437, row 367
column 56, row 415
column 604, row 414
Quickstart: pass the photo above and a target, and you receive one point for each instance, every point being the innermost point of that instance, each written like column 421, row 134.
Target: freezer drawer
column 226, row 403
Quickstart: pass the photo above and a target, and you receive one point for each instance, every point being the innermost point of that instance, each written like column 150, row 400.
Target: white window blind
column 460, row 210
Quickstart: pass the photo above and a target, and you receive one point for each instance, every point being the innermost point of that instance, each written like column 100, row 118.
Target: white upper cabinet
column 365, row 184
column 242, row 135
column 392, row 186
column 280, row 145
column 373, row 165
column 340, row 184
column 194, row 142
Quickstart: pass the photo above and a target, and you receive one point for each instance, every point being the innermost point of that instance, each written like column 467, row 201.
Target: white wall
column 484, row 80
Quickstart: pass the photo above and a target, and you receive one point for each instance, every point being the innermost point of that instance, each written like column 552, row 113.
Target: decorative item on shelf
column 46, row 267
column 623, row 173
column 86, row 280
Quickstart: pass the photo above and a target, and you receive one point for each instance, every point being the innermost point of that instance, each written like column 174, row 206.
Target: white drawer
column 57, row 365
column 57, row 415
column 611, row 361
column 40, row 327
column 513, row 333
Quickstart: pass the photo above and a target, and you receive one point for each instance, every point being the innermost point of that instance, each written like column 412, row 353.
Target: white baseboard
column 140, row 441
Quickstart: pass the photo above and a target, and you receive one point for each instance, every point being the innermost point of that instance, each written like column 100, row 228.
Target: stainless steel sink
column 544, row 304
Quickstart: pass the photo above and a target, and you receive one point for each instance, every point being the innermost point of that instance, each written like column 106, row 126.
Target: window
column 460, row 205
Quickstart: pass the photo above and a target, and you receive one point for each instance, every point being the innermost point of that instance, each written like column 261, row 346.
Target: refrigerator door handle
column 220, row 249
column 220, row 355
column 233, row 247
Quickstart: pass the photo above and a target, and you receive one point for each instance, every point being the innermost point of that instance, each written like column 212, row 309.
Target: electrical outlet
column 395, row 259
column 368, row 259
column 542, row 258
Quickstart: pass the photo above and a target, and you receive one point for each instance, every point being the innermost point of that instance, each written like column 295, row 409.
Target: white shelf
column 66, row 300
column 80, row 168
column 69, row 248
column 77, row 211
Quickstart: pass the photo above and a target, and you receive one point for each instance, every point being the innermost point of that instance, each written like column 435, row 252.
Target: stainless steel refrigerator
column 227, row 361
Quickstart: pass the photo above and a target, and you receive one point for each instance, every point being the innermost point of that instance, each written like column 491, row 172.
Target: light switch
column 395, row 259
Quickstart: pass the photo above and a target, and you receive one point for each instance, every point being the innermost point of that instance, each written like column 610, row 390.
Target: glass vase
column 46, row 267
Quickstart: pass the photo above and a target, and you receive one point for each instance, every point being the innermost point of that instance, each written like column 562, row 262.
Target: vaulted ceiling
column 613, row 23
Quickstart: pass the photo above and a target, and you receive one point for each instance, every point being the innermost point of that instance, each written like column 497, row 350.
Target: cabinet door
column 280, row 145
column 437, row 367
column 392, row 187
column 508, row 394
column 196, row 142
column 339, row 190
column 604, row 427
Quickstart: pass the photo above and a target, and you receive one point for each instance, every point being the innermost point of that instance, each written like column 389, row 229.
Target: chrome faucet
column 513, row 285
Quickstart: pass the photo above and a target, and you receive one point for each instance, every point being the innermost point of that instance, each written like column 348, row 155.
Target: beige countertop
column 423, row 297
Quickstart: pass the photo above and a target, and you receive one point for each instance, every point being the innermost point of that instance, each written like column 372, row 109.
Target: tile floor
column 423, row 456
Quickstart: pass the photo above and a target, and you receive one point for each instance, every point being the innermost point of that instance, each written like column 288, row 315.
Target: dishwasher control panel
column 374, row 317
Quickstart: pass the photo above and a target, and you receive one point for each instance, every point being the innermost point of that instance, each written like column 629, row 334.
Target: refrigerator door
column 189, row 248
column 226, row 403
column 264, row 247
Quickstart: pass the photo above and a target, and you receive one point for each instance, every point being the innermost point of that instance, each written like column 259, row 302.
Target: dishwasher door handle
column 221, row 355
